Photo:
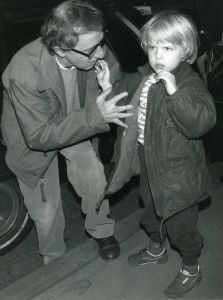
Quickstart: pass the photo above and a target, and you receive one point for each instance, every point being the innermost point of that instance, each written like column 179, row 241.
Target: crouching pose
column 173, row 109
column 58, row 95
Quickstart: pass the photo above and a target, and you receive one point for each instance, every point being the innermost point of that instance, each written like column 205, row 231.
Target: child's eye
column 151, row 48
column 168, row 49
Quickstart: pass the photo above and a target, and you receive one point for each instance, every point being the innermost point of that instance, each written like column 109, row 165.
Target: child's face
column 164, row 56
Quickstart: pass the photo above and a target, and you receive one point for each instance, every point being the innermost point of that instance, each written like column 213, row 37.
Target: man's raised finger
column 124, row 107
column 123, row 115
column 118, row 97
column 120, row 123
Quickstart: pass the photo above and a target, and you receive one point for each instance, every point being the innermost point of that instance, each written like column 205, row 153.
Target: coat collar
column 49, row 75
column 182, row 69
column 50, row 78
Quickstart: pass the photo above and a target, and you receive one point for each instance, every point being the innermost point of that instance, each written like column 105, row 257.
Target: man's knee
column 90, row 173
column 45, row 217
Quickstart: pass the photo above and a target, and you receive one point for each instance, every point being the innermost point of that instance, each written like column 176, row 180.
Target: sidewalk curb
column 44, row 278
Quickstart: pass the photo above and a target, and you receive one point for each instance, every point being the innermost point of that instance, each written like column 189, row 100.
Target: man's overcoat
column 35, row 123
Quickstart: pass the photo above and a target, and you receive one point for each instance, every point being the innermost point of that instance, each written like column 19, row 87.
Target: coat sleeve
column 192, row 109
column 116, row 75
column 44, row 128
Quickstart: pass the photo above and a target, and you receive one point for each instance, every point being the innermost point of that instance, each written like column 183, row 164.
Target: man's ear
column 59, row 52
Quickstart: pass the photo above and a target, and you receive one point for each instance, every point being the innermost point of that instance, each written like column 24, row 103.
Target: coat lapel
column 82, row 86
column 50, row 79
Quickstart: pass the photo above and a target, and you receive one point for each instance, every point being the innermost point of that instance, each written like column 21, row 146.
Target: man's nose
column 99, row 53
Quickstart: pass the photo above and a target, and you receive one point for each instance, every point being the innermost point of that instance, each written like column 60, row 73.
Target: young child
column 173, row 110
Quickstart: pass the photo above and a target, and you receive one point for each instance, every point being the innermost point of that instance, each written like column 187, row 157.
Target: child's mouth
column 159, row 66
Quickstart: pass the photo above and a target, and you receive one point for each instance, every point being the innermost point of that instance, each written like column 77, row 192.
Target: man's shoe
column 109, row 248
column 144, row 257
column 183, row 283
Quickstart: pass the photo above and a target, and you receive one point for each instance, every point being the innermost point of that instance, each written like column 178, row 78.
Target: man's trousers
column 86, row 174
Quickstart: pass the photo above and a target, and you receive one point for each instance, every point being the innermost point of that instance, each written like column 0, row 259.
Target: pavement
column 82, row 275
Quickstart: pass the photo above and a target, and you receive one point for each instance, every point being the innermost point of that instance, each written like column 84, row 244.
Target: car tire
column 15, row 222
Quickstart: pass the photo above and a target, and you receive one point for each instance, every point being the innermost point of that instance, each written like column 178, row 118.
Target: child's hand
column 103, row 75
column 168, row 80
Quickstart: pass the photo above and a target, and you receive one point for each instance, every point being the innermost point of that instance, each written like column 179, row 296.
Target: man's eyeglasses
column 92, row 52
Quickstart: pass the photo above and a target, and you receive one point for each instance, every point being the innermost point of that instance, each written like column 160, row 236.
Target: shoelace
column 154, row 255
column 185, row 273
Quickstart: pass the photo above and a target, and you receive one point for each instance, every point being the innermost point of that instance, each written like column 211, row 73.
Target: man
column 53, row 103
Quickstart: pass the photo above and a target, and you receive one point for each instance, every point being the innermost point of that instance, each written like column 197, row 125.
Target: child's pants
column 181, row 228
column 86, row 174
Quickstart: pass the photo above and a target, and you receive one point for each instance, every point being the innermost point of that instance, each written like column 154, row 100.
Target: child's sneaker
column 145, row 256
column 183, row 283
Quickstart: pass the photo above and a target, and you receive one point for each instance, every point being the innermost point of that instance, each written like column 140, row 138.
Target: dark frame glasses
column 91, row 53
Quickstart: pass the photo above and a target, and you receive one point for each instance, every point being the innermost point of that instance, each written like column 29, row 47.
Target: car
column 15, row 223
column 22, row 24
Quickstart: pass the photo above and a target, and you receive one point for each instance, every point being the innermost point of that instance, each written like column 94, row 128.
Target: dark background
column 20, row 22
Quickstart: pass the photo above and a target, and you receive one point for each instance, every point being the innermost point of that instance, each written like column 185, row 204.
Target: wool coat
column 35, row 123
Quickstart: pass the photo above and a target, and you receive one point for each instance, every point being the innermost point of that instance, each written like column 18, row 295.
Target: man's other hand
column 111, row 112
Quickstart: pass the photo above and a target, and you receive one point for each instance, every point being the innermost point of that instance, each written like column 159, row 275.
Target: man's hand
column 103, row 75
column 110, row 111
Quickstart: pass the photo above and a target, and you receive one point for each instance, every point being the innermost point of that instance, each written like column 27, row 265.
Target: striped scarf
column 143, row 107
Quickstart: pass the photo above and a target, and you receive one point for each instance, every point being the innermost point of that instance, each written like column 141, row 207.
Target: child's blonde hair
column 174, row 28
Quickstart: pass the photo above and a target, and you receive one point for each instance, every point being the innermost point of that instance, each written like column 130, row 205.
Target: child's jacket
column 174, row 153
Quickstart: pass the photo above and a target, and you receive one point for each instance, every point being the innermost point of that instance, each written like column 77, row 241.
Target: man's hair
column 67, row 21
column 172, row 27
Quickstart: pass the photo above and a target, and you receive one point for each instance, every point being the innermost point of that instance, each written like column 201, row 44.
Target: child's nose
column 158, row 53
